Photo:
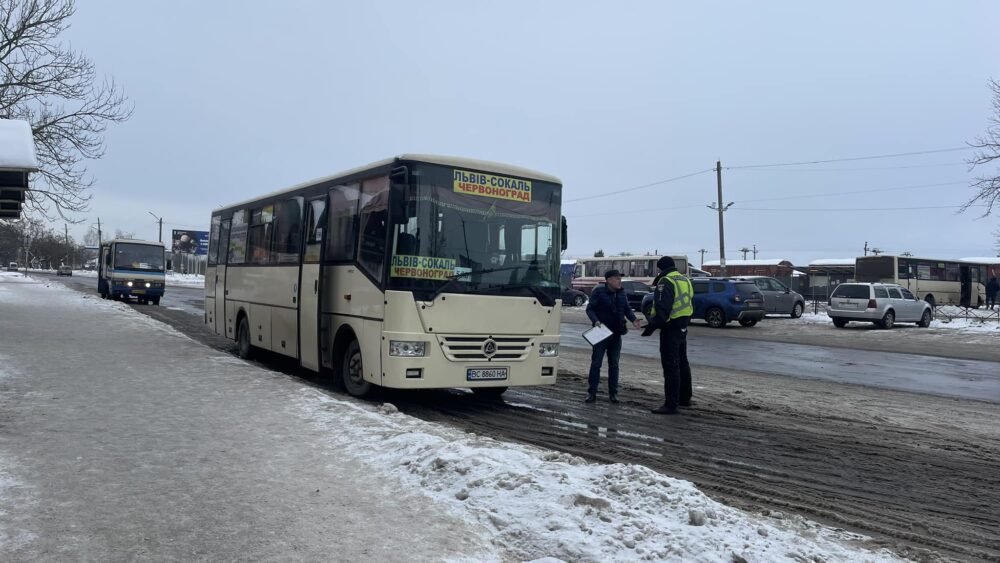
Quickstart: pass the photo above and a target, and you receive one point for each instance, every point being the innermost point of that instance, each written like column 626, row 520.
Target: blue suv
column 719, row 301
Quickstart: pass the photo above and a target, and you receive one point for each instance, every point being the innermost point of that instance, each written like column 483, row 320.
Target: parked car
column 64, row 271
column 719, row 301
column 12, row 267
column 778, row 298
column 883, row 304
column 573, row 297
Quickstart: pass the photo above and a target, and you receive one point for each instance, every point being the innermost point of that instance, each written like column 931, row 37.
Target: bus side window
column 213, row 240
column 224, row 242
column 374, row 220
column 341, row 235
column 238, row 238
column 287, row 231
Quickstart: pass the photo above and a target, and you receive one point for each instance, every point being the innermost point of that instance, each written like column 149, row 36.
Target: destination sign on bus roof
column 488, row 185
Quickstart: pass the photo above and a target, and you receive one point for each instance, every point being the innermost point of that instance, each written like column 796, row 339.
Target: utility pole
column 99, row 239
column 160, row 221
column 703, row 251
column 721, row 209
column 69, row 250
column 745, row 250
column 755, row 252
column 866, row 248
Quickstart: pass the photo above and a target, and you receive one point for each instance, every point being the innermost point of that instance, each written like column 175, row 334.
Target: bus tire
column 353, row 372
column 930, row 301
column 244, row 348
column 156, row 300
column 490, row 393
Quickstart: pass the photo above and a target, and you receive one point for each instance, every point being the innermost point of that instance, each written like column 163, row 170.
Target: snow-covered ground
column 960, row 324
column 529, row 503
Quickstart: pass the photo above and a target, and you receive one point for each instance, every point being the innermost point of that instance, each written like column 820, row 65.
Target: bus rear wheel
column 156, row 300
column 243, row 339
column 353, row 372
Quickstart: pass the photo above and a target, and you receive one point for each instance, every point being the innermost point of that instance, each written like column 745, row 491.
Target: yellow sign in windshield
column 487, row 185
column 422, row 267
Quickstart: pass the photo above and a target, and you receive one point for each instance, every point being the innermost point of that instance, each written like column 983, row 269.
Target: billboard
column 190, row 242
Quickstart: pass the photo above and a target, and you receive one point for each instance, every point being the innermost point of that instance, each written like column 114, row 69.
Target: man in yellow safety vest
column 673, row 305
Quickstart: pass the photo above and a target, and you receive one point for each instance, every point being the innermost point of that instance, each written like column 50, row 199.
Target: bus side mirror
column 564, row 236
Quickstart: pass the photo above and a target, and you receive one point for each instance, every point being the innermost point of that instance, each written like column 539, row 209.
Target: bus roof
column 134, row 241
column 458, row 162
column 632, row 257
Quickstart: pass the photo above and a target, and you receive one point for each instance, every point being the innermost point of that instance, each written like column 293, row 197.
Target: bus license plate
column 485, row 374
column 138, row 291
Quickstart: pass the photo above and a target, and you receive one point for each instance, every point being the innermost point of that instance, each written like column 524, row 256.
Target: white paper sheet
column 597, row 334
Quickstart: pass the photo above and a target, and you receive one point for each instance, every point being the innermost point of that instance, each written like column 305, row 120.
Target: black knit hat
column 666, row 263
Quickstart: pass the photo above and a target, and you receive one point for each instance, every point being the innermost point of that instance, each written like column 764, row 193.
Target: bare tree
column 124, row 234
column 56, row 90
column 988, row 150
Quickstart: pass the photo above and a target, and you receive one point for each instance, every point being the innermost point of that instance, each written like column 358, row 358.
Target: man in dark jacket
column 992, row 289
column 608, row 306
column 673, row 305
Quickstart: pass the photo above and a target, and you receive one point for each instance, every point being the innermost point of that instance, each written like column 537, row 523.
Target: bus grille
column 472, row 348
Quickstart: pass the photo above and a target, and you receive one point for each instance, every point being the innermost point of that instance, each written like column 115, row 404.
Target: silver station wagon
column 884, row 304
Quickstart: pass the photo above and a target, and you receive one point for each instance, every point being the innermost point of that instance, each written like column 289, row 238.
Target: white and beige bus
column 589, row 272
column 939, row 282
column 413, row 272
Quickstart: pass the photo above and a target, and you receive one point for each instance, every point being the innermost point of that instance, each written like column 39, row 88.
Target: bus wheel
column 243, row 338
column 156, row 300
column 490, row 393
column 930, row 301
column 354, row 372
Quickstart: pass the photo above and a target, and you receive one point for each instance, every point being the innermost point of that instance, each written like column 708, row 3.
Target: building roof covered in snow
column 17, row 146
column 761, row 262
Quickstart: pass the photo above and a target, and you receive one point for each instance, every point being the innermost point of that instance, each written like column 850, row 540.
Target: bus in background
column 414, row 272
column 938, row 282
column 566, row 269
column 131, row 268
column 589, row 272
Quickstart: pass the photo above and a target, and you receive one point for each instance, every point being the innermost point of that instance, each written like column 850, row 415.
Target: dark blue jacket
column 610, row 308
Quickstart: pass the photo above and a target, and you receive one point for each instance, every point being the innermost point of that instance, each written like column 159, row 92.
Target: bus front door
column 221, row 322
column 311, row 270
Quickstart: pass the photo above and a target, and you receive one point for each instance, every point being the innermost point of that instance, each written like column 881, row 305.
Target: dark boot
column 665, row 410
column 590, row 398
column 613, row 397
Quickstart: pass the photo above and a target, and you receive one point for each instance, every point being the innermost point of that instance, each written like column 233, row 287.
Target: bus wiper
column 542, row 297
column 453, row 278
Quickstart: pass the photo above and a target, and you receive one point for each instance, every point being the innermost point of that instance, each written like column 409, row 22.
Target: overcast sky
column 233, row 101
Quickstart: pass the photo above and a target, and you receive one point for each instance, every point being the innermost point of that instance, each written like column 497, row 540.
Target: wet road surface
column 970, row 379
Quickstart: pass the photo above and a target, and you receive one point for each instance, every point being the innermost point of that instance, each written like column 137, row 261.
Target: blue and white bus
column 132, row 268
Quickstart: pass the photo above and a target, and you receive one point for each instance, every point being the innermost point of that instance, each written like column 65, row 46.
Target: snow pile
column 958, row 324
column 538, row 503
column 185, row 280
column 15, row 277
column 17, row 145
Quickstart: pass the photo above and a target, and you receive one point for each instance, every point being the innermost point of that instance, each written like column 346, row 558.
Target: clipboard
column 597, row 334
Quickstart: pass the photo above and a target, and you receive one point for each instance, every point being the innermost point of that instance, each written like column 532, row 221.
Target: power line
column 871, row 168
column 825, row 209
column 657, row 183
column 828, row 194
column 855, row 158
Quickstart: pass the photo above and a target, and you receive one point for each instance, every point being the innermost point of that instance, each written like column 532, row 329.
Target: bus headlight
column 128, row 284
column 548, row 350
column 407, row 348
column 149, row 284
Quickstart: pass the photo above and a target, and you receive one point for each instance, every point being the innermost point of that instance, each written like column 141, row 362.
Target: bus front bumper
column 437, row 370
column 137, row 291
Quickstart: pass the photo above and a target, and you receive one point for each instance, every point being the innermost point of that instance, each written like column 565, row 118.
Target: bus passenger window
column 238, row 238
column 342, row 232
column 374, row 219
column 314, row 230
column 287, row 231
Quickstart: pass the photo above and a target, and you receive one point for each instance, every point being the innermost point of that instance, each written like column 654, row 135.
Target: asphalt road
column 969, row 379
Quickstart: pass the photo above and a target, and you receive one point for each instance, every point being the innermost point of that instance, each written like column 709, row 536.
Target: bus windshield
column 472, row 232
column 142, row 257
